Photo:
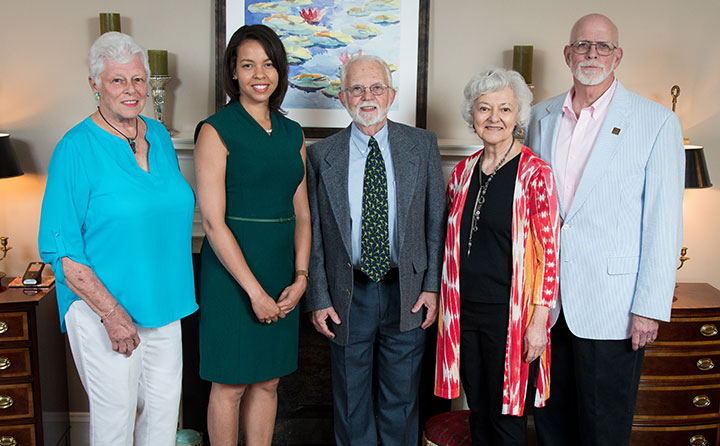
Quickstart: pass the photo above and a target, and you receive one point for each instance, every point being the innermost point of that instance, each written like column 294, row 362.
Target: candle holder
column 4, row 248
column 109, row 21
column 157, row 85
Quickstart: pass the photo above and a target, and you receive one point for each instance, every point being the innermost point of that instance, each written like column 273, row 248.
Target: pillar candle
column 158, row 60
column 109, row 21
column 522, row 61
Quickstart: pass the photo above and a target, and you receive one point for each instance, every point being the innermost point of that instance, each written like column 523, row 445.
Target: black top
column 486, row 275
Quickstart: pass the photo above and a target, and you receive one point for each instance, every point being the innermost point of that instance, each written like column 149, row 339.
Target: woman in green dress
column 250, row 171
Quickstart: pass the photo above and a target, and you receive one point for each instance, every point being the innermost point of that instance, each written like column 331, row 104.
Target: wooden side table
column 33, row 379
column 679, row 396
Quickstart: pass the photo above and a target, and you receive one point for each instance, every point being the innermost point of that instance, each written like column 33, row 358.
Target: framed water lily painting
column 320, row 36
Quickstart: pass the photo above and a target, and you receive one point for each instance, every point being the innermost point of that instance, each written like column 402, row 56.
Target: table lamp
column 9, row 167
column 696, row 171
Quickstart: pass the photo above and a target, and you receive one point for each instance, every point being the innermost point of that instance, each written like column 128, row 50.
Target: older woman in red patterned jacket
column 501, row 266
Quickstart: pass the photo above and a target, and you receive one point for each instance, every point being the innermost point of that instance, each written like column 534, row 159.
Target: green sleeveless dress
column 263, row 173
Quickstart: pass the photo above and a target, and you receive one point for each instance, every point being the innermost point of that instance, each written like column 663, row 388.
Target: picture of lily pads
column 385, row 19
column 333, row 90
column 302, row 41
column 358, row 12
column 295, row 2
column 297, row 55
column 321, row 35
column 310, row 81
column 268, row 7
column 330, row 39
column 290, row 24
column 382, row 5
column 360, row 31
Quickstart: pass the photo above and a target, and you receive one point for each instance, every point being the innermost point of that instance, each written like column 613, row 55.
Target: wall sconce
column 696, row 171
column 9, row 167
column 523, row 61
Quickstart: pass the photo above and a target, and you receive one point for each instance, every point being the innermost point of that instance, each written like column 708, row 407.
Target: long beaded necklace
column 131, row 141
column 480, row 198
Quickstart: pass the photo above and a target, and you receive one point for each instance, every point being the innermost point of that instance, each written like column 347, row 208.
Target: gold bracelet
column 102, row 319
column 303, row 272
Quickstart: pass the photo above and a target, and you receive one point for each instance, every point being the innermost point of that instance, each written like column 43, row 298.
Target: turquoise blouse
column 132, row 228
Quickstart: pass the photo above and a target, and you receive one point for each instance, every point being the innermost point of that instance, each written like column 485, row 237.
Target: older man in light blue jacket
column 619, row 162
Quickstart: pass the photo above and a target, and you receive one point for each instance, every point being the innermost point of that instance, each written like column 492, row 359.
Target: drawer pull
column 3, row 327
column 5, row 364
column 705, row 364
column 6, row 401
column 7, row 440
column 701, row 401
column 698, row 440
column 708, row 330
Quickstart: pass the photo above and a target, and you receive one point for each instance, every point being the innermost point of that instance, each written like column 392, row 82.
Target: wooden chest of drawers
column 679, row 397
column 33, row 380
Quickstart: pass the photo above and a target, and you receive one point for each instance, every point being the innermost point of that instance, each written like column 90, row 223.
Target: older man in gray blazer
column 378, row 221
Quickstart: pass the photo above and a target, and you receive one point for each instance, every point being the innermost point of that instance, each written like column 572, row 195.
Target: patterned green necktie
column 375, row 239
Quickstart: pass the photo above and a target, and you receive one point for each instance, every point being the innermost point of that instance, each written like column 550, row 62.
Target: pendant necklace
column 480, row 198
column 131, row 141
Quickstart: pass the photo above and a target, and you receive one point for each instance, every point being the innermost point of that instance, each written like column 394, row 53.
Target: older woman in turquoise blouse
column 116, row 227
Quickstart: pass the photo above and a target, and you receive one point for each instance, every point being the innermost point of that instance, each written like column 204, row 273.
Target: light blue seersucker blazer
column 620, row 240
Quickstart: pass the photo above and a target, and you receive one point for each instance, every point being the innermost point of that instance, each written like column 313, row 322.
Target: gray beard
column 358, row 119
column 590, row 81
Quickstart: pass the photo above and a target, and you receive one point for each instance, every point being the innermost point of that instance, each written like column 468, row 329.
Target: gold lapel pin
column 615, row 131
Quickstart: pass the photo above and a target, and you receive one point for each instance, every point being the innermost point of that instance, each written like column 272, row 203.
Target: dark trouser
column 375, row 331
column 593, row 389
column 483, row 336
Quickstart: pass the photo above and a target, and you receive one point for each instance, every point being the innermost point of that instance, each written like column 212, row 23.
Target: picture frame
column 328, row 33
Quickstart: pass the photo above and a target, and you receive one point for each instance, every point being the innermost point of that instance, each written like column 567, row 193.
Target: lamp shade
column 696, row 171
column 9, row 166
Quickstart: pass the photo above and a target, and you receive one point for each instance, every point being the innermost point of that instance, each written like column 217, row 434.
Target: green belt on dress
column 262, row 220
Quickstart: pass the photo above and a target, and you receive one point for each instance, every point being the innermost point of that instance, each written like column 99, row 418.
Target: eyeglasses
column 602, row 48
column 359, row 90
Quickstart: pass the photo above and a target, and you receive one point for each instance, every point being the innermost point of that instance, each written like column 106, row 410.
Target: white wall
column 44, row 90
column 665, row 42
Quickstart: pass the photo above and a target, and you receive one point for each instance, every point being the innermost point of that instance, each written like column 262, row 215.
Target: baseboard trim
column 79, row 417
column 80, row 428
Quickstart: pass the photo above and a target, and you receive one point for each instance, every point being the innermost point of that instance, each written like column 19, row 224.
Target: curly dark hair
column 275, row 51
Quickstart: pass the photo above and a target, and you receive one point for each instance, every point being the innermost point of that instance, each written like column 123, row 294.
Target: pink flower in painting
column 312, row 15
column 345, row 56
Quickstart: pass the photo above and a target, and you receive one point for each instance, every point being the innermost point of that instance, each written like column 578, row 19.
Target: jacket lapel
column 335, row 178
column 405, row 164
column 604, row 150
column 549, row 126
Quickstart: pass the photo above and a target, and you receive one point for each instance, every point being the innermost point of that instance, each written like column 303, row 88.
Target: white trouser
column 135, row 398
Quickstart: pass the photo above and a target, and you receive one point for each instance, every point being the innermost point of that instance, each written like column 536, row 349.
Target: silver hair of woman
column 118, row 77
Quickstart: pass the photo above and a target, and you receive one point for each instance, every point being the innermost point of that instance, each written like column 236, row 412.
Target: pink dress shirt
column 575, row 140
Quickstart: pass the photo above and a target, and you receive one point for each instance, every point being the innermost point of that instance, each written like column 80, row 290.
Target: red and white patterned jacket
column 534, row 278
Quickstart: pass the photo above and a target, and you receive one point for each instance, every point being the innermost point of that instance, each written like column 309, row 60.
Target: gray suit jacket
column 420, row 219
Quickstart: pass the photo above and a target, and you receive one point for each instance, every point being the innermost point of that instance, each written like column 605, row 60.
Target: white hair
column 492, row 80
column 345, row 69
column 114, row 47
